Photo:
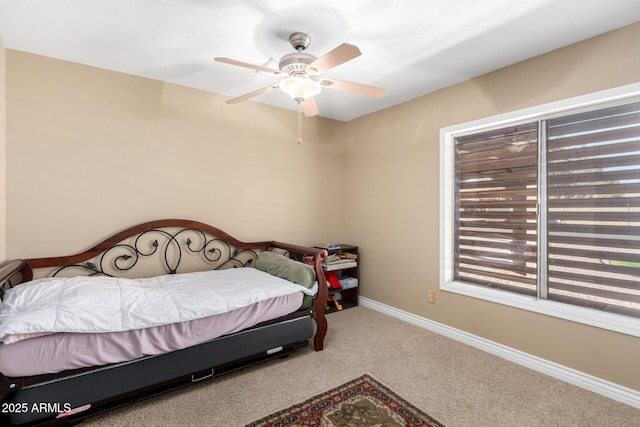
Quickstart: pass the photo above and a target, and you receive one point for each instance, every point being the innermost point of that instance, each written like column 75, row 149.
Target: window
column 545, row 205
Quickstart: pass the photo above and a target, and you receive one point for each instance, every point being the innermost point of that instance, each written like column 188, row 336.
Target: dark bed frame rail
column 172, row 241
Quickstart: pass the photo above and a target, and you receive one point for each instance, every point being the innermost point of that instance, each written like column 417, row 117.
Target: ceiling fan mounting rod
column 300, row 41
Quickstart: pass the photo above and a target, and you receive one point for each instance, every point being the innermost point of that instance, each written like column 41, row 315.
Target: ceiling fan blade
column 362, row 89
column 247, row 65
column 309, row 107
column 337, row 56
column 252, row 94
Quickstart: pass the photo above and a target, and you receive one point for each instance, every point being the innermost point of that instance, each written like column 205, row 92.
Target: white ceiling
column 411, row 47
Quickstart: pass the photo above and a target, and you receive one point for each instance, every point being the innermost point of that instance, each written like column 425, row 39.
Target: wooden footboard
column 321, row 298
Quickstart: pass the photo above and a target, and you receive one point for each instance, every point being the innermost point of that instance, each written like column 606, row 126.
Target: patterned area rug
column 358, row 403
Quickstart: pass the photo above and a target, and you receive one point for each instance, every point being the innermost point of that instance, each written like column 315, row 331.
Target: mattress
column 100, row 304
column 63, row 351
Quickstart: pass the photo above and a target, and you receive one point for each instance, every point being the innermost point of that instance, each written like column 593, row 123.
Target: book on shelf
column 349, row 255
column 336, row 258
column 339, row 265
column 332, row 258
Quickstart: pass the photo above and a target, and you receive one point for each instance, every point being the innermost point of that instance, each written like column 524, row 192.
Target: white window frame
column 610, row 321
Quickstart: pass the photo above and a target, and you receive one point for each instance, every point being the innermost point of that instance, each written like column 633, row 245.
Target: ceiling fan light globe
column 300, row 88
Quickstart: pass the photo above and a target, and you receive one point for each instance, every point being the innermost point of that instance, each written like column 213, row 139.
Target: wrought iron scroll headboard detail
column 170, row 247
column 13, row 273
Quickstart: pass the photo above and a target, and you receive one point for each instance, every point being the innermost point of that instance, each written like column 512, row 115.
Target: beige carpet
column 454, row 383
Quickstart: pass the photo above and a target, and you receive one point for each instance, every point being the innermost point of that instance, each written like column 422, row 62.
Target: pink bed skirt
column 59, row 352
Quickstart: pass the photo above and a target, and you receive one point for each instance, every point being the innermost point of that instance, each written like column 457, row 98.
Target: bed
column 155, row 307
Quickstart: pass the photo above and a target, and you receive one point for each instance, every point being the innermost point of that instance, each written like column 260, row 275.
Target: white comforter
column 106, row 304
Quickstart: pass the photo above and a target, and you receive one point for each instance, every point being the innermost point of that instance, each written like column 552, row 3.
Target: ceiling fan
column 300, row 74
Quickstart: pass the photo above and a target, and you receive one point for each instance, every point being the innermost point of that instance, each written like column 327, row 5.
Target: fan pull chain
column 299, row 123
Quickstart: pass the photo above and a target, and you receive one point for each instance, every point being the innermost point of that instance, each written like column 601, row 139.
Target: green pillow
column 286, row 268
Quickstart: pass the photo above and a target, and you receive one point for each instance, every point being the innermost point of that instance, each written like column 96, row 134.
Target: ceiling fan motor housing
column 296, row 62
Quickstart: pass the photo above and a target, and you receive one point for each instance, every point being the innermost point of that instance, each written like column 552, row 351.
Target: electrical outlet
column 431, row 297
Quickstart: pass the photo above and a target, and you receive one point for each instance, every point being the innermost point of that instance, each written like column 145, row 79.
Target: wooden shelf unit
column 349, row 297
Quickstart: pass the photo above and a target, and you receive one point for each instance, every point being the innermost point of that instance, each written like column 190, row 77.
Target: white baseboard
column 597, row 385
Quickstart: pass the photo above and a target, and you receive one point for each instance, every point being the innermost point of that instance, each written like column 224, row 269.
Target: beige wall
column 392, row 172
column 3, row 150
column 92, row 151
